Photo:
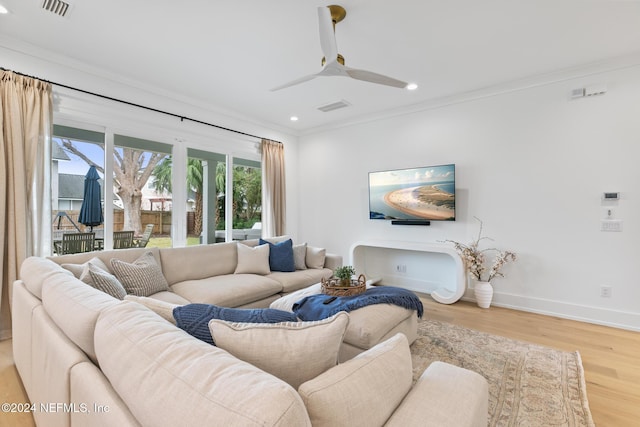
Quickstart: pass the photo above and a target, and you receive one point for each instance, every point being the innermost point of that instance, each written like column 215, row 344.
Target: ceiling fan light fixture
column 294, row 118
column 412, row 86
column 3, row 10
column 333, row 64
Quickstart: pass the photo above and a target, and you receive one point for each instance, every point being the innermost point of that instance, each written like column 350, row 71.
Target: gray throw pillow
column 104, row 281
column 300, row 256
column 143, row 277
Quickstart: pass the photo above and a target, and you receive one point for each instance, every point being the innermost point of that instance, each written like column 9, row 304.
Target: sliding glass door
column 219, row 196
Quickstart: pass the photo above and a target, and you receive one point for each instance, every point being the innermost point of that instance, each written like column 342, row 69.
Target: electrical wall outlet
column 605, row 291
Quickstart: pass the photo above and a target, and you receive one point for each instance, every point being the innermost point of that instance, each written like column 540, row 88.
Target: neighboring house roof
column 57, row 153
column 71, row 187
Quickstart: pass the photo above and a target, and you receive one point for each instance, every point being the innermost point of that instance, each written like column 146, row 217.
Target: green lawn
column 165, row 242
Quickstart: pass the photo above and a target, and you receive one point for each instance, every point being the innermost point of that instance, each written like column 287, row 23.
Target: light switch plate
column 611, row 225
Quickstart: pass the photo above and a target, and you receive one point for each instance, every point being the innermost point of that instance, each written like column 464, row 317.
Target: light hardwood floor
column 611, row 357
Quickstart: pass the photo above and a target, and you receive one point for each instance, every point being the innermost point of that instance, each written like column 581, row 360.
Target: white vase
column 484, row 294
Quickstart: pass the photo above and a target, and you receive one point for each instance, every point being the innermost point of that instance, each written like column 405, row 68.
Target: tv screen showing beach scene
column 425, row 193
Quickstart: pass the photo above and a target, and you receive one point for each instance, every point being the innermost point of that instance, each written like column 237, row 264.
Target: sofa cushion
column 315, row 257
column 102, row 280
column 142, row 277
column 170, row 297
column 300, row 278
column 75, row 307
column 300, row 256
column 194, row 318
column 161, row 308
column 149, row 361
column 253, row 260
column 229, row 290
column 363, row 391
column 293, row 351
column 445, row 386
column 198, row 262
column 280, row 255
column 35, row 270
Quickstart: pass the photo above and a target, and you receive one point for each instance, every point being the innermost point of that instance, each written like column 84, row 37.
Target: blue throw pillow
column 194, row 318
column 280, row 255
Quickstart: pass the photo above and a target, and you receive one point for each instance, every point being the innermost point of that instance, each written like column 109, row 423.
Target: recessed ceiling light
column 412, row 86
column 3, row 10
column 293, row 118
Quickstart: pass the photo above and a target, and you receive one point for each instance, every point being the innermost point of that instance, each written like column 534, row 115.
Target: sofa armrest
column 445, row 395
column 332, row 261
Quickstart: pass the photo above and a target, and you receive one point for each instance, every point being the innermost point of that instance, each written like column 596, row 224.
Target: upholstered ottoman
column 367, row 326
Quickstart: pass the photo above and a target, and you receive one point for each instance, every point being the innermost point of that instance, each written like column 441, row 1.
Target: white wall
column 531, row 163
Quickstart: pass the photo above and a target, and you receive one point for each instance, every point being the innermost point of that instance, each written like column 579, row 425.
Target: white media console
column 433, row 268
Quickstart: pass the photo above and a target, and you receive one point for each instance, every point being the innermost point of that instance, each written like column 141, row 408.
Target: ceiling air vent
column 56, row 6
column 333, row 106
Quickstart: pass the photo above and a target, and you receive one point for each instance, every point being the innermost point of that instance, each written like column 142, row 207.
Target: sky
column 413, row 176
column 77, row 166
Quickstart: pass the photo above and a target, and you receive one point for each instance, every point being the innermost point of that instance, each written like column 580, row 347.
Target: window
column 140, row 202
column 247, row 199
column 205, row 197
column 73, row 152
column 141, row 176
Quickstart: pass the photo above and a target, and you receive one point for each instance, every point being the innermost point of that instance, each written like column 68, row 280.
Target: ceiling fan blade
column 295, row 82
column 371, row 77
column 327, row 34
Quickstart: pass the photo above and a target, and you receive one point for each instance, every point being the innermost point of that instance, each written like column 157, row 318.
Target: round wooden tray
column 334, row 287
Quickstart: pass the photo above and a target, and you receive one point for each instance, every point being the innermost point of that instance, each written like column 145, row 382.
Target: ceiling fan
column 333, row 62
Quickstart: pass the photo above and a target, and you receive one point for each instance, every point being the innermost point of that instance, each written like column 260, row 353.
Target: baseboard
column 596, row 315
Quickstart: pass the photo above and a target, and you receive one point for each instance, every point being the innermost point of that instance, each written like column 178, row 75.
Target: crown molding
column 533, row 81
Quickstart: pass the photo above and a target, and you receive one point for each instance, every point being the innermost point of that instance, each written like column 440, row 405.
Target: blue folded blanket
column 194, row 318
column 314, row 308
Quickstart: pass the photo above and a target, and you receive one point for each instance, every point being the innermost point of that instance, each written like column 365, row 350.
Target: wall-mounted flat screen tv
column 425, row 193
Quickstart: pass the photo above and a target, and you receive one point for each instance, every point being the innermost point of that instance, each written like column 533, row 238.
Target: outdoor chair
column 122, row 239
column 142, row 241
column 73, row 243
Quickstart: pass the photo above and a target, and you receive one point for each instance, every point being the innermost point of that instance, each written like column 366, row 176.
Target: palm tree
column 162, row 182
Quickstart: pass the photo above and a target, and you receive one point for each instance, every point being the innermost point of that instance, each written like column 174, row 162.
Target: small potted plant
column 345, row 273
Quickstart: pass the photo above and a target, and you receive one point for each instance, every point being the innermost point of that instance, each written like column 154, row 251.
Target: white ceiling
column 228, row 54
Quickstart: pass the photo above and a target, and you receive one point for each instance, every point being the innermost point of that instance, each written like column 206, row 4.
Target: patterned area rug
column 529, row 385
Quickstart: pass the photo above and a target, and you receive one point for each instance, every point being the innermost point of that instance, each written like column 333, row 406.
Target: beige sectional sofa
column 88, row 359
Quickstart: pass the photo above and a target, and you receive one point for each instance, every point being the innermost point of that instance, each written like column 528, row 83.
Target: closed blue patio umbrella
column 91, row 209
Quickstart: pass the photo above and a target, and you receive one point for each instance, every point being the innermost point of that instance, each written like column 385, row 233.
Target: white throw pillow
column 315, row 257
column 143, row 277
column 161, row 308
column 295, row 352
column 363, row 391
column 79, row 269
column 253, row 260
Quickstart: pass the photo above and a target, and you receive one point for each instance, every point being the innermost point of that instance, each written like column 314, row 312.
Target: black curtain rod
column 182, row 118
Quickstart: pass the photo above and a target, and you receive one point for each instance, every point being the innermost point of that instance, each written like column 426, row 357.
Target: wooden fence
column 160, row 220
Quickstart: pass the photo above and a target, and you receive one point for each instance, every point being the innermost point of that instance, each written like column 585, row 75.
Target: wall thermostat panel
column 610, row 196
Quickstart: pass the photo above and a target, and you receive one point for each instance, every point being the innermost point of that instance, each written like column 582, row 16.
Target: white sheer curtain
column 25, row 179
column 273, row 189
